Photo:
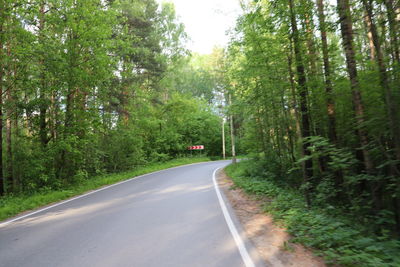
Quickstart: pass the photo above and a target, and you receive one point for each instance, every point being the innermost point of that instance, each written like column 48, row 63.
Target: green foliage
column 339, row 238
column 122, row 150
column 93, row 87
column 315, row 119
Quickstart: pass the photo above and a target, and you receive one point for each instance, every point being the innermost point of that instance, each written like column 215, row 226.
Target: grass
column 339, row 239
column 13, row 205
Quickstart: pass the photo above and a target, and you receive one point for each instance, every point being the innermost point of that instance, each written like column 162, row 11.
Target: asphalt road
column 168, row 218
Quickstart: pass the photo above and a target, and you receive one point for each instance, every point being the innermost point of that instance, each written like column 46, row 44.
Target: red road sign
column 200, row 147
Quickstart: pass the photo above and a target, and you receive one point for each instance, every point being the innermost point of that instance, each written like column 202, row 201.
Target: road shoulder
column 271, row 241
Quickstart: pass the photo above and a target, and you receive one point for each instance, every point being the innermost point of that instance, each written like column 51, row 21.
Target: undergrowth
column 340, row 239
column 12, row 205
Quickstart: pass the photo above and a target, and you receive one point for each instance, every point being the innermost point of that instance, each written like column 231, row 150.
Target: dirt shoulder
column 271, row 241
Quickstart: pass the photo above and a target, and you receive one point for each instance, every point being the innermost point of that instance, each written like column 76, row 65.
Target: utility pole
column 232, row 134
column 223, row 138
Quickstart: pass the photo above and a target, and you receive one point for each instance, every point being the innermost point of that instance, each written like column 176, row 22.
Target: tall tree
column 350, row 143
column 393, row 28
column 384, row 81
column 346, row 26
column 327, row 73
column 3, row 17
column 303, row 95
column 42, row 94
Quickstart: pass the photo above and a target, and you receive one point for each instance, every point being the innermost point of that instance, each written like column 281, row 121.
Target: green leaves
column 92, row 86
column 340, row 238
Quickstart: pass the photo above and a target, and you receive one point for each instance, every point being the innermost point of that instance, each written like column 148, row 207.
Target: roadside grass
column 339, row 238
column 13, row 205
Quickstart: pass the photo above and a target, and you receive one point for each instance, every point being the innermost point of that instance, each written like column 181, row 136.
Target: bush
column 339, row 238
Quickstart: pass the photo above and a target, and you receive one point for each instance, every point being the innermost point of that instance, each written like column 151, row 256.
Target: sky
column 206, row 21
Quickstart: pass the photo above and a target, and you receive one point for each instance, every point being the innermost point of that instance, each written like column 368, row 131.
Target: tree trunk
column 288, row 130
column 316, row 125
column 42, row 96
column 372, row 49
column 3, row 178
column 347, row 36
column 53, row 117
column 223, row 138
column 393, row 29
column 9, row 165
column 391, row 107
column 330, row 104
column 2, row 191
column 312, row 51
column 384, row 81
column 232, row 134
column 295, row 110
column 123, row 107
column 303, row 95
column 259, row 118
column 9, row 171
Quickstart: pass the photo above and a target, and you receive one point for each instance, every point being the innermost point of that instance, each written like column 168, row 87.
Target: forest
column 316, row 89
column 313, row 89
column 93, row 87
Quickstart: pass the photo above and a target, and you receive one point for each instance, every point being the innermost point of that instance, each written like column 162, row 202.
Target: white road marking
column 87, row 194
column 238, row 240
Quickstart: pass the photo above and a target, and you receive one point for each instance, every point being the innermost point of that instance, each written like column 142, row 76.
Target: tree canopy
column 316, row 88
column 90, row 87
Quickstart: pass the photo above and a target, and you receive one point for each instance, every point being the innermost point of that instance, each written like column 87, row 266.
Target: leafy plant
column 339, row 238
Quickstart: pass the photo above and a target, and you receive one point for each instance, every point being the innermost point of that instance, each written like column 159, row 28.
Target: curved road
column 167, row 218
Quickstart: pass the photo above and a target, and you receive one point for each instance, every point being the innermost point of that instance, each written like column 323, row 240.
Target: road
column 168, row 218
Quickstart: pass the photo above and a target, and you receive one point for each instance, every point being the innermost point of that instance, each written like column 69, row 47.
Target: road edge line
column 238, row 240
column 7, row 222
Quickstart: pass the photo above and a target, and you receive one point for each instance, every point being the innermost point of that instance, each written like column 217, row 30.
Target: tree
column 298, row 106
column 84, row 87
column 303, row 95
